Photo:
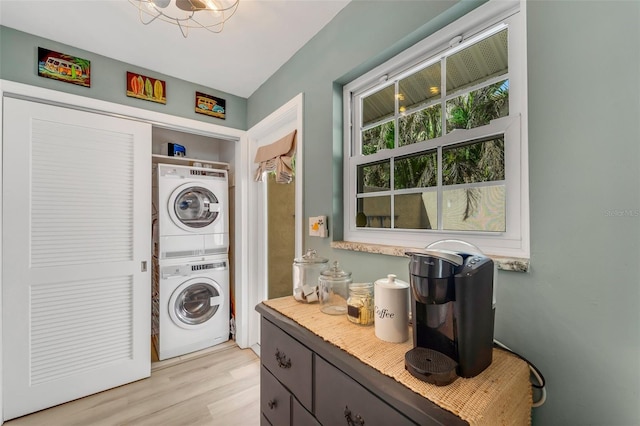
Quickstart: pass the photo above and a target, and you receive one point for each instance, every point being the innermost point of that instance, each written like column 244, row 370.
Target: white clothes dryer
column 193, row 306
column 191, row 205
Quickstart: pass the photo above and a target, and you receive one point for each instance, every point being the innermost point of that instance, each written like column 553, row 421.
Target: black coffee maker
column 452, row 301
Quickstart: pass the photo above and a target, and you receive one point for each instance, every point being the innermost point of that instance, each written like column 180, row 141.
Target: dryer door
column 195, row 302
column 193, row 208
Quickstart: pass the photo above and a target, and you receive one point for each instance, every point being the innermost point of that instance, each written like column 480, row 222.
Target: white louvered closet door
column 76, row 229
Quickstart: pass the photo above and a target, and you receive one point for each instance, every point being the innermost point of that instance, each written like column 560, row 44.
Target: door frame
column 278, row 124
column 239, row 164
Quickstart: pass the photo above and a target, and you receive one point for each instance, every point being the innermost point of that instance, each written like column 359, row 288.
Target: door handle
column 143, row 266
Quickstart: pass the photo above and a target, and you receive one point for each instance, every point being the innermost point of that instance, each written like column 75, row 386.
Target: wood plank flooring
column 218, row 386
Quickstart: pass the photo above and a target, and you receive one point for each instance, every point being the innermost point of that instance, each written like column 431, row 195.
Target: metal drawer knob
column 283, row 361
column 272, row 404
column 359, row 421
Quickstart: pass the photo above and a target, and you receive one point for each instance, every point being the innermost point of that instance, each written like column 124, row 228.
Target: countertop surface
column 501, row 394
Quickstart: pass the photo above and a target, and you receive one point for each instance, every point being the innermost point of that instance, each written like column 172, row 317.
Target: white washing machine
column 193, row 307
column 191, row 207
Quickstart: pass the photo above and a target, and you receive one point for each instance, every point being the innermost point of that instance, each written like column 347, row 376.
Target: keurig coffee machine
column 453, row 312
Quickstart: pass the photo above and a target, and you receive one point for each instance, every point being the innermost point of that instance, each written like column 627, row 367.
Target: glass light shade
column 210, row 15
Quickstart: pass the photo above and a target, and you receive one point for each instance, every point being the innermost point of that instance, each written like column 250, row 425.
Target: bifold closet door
column 76, row 254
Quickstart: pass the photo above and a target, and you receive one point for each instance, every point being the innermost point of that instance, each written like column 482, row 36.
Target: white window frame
column 515, row 241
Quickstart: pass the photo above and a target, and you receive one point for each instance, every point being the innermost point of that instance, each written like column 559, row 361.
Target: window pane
column 379, row 106
column 416, row 211
column 477, row 63
column 416, row 171
column 419, row 88
column 478, row 107
column 420, row 126
column 374, row 177
column 377, row 138
column 374, row 212
column 481, row 161
column 474, row 209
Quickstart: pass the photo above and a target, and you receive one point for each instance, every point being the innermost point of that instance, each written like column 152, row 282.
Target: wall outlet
column 318, row 226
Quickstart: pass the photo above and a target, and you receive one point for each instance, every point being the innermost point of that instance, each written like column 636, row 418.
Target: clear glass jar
column 360, row 303
column 334, row 290
column 306, row 272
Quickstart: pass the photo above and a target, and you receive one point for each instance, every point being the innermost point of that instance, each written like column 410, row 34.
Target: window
column 436, row 143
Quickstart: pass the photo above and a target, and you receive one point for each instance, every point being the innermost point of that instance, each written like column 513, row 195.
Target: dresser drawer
column 275, row 400
column 340, row 400
column 289, row 361
column 300, row 416
column 264, row 421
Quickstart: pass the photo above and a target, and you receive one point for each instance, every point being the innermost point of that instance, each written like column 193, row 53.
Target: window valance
column 277, row 156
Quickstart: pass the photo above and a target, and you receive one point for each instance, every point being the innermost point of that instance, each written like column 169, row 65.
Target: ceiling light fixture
column 208, row 14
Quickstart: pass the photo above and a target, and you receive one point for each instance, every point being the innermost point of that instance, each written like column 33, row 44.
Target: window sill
column 516, row 264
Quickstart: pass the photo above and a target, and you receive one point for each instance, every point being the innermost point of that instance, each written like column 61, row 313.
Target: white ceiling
column 255, row 43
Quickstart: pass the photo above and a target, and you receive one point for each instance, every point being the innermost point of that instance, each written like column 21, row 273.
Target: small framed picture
column 146, row 88
column 210, row 105
column 63, row 67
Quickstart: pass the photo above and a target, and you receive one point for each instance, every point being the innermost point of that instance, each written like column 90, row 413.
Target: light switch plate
column 318, row 226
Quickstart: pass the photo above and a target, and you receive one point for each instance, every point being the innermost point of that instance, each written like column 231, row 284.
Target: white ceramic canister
column 391, row 300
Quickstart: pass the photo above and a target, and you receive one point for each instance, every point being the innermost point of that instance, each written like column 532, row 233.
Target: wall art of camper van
column 210, row 105
column 63, row 67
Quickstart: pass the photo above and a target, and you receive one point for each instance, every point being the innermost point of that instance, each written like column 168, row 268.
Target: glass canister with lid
column 306, row 272
column 334, row 290
column 360, row 303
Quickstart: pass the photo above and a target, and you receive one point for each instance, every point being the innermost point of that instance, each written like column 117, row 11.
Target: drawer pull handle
column 359, row 421
column 283, row 361
column 272, row 404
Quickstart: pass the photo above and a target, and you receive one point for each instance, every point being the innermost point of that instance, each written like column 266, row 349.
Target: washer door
column 195, row 302
column 193, row 207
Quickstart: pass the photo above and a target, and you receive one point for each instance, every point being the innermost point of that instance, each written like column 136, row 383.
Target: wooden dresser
column 308, row 380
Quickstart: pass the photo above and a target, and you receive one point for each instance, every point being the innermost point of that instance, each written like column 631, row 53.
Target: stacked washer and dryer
column 190, row 298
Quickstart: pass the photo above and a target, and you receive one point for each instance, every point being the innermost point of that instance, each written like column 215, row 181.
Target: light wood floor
column 218, row 386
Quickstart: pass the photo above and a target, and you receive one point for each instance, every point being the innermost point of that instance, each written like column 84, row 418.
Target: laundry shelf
column 185, row 161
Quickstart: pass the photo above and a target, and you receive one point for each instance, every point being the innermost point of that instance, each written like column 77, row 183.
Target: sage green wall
column 19, row 63
column 360, row 37
column 576, row 314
